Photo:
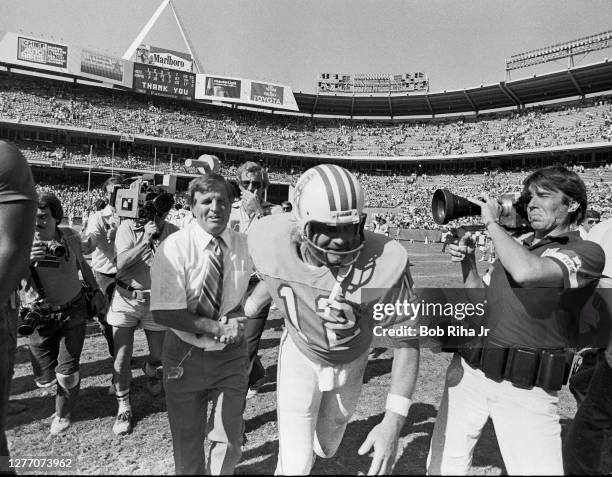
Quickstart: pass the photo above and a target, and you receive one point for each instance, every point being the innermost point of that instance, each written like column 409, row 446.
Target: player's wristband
column 398, row 404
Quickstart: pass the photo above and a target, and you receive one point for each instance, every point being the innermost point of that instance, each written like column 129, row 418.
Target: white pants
column 315, row 403
column 526, row 424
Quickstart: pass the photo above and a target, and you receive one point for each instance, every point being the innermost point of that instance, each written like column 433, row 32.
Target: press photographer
column 143, row 208
column 534, row 295
column 54, row 312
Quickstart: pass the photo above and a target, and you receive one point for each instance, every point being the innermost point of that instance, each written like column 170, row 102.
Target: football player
column 325, row 273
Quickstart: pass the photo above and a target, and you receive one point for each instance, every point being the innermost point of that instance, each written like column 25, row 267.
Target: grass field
column 148, row 450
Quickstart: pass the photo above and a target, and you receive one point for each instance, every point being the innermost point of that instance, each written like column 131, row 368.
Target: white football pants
column 315, row 404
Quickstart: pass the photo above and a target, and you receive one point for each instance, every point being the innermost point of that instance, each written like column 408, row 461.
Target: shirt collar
column 203, row 238
column 562, row 239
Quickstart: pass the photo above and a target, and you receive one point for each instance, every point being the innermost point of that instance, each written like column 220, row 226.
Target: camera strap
column 37, row 282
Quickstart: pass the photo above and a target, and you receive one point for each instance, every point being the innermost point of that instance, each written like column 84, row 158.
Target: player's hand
column 38, row 251
column 251, row 203
column 383, row 439
column 150, row 231
column 464, row 248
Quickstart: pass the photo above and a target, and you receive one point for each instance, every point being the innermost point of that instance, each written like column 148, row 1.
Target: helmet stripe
column 341, row 187
column 352, row 191
column 328, row 187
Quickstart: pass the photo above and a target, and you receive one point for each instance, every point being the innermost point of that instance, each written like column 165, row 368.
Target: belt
column 523, row 367
column 66, row 306
column 136, row 293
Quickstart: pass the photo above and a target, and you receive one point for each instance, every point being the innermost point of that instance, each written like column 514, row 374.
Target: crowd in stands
column 401, row 200
column 75, row 199
column 28, row 99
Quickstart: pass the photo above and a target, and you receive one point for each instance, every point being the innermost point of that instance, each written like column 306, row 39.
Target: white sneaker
column 59, row 424
column 123, row 423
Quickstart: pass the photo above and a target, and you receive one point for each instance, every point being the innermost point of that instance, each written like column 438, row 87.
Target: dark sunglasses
column 592, row 221
column 255, row 184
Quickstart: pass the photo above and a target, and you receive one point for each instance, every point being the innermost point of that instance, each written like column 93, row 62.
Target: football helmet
column 330, row 195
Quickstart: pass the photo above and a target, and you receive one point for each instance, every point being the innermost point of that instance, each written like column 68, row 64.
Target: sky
column 457, row 43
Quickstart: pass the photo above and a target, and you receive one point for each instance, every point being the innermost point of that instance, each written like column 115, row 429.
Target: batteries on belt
column 138, row 294
column 523, row 367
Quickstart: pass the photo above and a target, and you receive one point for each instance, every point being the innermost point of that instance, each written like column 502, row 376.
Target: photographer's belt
column 135, row 293
column 524, row 367
column 66, row 306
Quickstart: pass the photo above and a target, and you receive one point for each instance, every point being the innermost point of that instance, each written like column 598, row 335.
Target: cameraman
column 55, row 310
column 99, row 239
column 513, row 375
column 253, row 182
column 135, row 245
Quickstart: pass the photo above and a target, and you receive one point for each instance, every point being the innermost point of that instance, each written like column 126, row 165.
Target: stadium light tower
column 145, row 30
column 562, row 50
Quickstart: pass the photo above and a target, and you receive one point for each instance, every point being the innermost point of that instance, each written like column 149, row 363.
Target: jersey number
column 337, row 317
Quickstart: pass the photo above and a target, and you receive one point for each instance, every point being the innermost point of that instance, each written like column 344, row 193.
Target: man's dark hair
column 253, row 167
column 558, row 178
column 205, row 183
column 50, row 200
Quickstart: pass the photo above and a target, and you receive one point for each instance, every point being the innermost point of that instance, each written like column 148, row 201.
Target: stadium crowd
column 60, row 103
column 405, row 200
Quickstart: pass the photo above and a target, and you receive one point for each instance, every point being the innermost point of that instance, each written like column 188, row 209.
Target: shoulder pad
column 269, row 238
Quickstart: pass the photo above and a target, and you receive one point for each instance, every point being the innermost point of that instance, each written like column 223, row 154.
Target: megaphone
column 446, row 206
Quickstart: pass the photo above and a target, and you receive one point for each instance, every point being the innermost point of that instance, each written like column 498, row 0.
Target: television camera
column 446, row 206
column 143, row 200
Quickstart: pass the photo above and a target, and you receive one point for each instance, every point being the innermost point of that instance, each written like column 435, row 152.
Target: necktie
column 212, row 288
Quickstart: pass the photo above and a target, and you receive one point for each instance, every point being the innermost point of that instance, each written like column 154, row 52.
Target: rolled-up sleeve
column 168, row 278
column 581, row 265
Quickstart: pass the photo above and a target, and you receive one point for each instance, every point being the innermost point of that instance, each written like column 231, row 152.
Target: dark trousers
column 106, row 282
column 253, row 330
column 582, row 451
column 8, row 344
column 215, row 377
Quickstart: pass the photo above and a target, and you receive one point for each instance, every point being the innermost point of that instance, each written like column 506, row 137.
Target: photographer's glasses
column 255, row 184
column 176, row 372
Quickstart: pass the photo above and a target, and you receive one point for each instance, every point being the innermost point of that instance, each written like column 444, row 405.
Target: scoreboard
column 372, row 83
column 159, row 81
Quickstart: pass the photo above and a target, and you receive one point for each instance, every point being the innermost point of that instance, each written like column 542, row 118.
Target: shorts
column 128, row 312
column 56, row 348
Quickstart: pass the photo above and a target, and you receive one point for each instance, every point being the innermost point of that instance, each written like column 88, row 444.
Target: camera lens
column 57, row 250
